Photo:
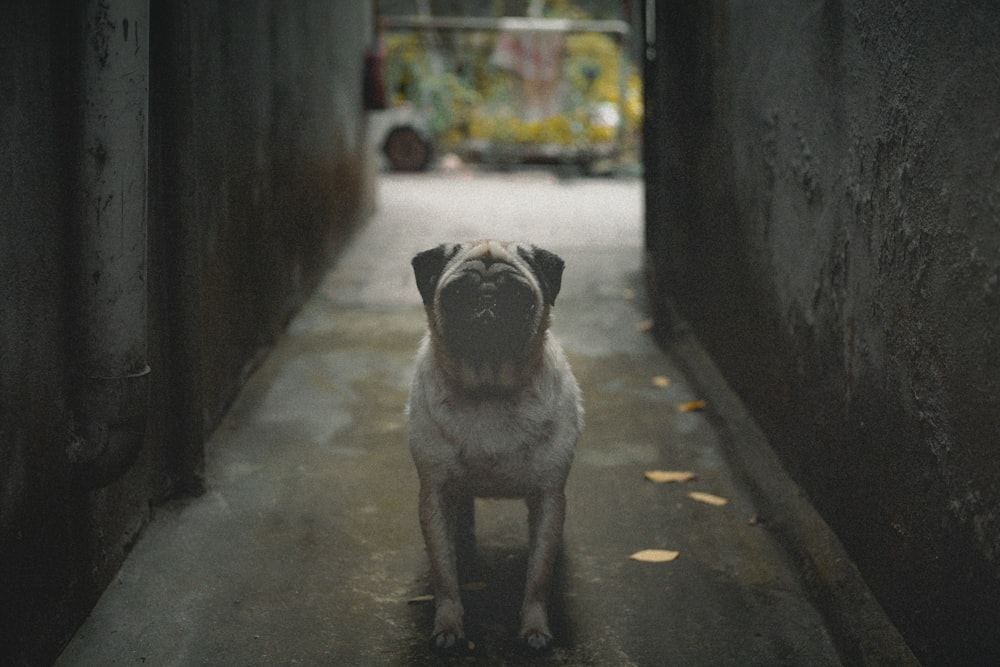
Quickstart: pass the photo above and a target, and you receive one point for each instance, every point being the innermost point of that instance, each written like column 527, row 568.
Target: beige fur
column 492, row 427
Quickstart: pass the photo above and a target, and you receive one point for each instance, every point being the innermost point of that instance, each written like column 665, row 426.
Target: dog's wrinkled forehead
column 486, row 252
column 433, row 268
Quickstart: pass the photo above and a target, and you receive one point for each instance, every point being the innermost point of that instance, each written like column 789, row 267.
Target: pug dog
column 494, row 411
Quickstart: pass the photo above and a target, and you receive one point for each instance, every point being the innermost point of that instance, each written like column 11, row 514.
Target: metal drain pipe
column 108, row 341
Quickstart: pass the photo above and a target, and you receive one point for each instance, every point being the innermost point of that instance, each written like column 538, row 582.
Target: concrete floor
column 306, row 549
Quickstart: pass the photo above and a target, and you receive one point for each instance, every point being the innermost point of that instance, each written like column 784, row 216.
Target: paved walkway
column 306, row 548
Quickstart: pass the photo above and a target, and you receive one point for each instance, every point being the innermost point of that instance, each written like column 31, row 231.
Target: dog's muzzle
column 489, row 308
column 486, row 305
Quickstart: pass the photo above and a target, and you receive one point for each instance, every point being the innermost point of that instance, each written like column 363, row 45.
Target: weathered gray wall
column 257, row 172
column 824, row 209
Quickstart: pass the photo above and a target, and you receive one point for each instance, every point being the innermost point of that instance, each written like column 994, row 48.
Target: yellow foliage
column 482, row 103
column 600, row 133
column 634, row 109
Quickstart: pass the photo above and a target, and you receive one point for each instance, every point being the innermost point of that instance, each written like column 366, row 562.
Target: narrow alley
column 781, row 299
column 305, row 547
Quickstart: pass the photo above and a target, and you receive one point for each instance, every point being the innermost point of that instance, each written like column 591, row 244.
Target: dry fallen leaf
column 420, row 599
column 645, row 325
column 707, row 498
column 661, row 381
column 692, row 406
column 473, row 586
column 661, row 476
column 655, row 555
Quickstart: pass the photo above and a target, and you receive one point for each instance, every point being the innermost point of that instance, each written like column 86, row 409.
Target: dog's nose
column 486, row 301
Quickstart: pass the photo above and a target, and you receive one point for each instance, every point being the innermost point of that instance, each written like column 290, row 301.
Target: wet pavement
column 305, row 549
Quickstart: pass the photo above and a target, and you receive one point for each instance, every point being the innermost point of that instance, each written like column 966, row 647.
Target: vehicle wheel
column 407, row 149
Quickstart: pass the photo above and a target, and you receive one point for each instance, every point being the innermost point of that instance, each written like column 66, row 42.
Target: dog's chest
column 498, row 449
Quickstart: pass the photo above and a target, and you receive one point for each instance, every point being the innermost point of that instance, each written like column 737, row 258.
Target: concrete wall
column 256, row 173
column 824, row 209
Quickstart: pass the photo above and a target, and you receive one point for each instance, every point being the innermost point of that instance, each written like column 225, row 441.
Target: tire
column 407, row 149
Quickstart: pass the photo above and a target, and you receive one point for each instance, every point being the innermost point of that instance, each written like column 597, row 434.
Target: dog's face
column 488, row 304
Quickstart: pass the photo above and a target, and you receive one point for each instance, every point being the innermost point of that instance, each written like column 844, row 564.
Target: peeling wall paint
column 825, row 211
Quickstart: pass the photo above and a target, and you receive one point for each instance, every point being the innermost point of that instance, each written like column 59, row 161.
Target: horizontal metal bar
column 504, row 24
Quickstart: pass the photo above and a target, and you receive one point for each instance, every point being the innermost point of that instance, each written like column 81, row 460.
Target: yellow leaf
column 707, row 498
column 473, row 586
column 661, row 381
column 420, row 599
column 692, row 406
column 655, row 555
column 661, row 476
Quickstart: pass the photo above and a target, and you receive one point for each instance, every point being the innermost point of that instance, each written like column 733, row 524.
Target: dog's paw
column 448, row 634
column 447, row 641
column 535, row 634
column 536, row 641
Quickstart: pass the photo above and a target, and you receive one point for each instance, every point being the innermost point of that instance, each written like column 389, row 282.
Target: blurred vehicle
column 507, row 90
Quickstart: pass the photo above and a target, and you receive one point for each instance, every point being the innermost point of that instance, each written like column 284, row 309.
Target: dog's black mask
column 488, row 310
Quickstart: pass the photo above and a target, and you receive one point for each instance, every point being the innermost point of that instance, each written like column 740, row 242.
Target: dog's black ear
column 427, row 268
column 548, row 268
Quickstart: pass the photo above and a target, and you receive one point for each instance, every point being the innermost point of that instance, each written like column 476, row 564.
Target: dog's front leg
column 546, row 513
column 437, row 521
